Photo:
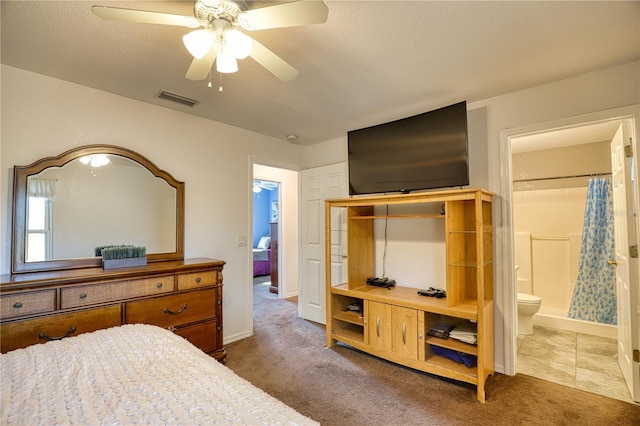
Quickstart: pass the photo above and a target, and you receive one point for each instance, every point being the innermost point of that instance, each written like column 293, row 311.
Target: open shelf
column 452, row 344
column 461, row 372
column 400, row 216
column 348, row 332
column 356, row 318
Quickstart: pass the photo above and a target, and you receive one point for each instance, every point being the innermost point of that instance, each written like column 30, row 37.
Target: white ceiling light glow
column 226, row 61
column 238, row 43
column 231, row 45
column 95, row 160
column 199, row 42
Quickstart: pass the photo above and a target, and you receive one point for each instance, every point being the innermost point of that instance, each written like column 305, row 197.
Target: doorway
column 266, row 197
column 574, row 341
column 275, row 189
column 562, row 133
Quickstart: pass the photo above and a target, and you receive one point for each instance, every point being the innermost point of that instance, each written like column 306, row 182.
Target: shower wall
column 548, row 230
column 550, row 192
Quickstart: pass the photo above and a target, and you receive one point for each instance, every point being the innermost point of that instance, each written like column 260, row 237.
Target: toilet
column 528, row 305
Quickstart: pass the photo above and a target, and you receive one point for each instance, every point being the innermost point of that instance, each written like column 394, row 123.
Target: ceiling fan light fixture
column 198, row 42
column 225, row 61
column 238, row 43
column 95, row 160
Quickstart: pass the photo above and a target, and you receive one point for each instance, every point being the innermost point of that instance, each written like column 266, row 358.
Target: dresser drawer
column 107, row 292
column 204, row 335
column 197, row 280
column 32, row 302
column 174, row 310
column 20, row 334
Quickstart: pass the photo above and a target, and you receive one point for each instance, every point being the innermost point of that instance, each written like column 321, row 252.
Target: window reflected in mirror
column 39, row 229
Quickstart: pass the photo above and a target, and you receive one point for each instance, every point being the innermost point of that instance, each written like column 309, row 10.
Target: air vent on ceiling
column 163, row 94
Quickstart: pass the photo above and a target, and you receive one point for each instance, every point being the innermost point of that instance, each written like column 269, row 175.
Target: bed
column 133, row 373
column 261, row 262
column 262, row 257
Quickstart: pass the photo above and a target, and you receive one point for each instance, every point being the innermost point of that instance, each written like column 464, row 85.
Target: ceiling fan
column 220, row 35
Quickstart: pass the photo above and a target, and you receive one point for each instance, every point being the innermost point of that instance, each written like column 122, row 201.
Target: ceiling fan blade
column 144, row 16
column 200, row 68
column 303, row 12
column 272, row 62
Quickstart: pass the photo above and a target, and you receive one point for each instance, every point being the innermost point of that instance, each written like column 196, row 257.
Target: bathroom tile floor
column 573, row 359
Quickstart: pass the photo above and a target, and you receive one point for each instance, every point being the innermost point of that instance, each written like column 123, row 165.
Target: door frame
column 506, row 253
column 287, row 175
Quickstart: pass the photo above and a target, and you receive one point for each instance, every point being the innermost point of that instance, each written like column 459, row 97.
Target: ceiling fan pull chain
column 210, row 69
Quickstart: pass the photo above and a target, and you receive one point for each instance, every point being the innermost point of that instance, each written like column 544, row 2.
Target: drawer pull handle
column 159, row 285
column 44, row 335
column 378, row 326
column 404, row 333
column 198, row 280
column 83, row 295
column 17, row 305
column 167, row 311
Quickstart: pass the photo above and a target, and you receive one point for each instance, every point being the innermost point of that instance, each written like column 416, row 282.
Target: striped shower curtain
column 594, row 295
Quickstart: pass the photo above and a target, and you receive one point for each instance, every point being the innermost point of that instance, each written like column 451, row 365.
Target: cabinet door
column 379, row 326
column 404, row 332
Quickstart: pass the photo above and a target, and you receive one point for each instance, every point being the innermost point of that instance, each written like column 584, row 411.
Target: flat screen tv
column 425, row 151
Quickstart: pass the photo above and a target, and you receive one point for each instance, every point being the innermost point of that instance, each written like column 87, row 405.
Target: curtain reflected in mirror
column 95, row 201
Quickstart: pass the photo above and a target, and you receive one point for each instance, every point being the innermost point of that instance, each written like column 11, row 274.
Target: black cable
column 384, row 253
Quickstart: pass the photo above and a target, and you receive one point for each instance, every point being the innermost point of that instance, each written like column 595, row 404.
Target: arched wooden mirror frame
column 20, row 201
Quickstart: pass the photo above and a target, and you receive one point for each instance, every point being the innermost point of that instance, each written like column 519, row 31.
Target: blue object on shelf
column 459, row 357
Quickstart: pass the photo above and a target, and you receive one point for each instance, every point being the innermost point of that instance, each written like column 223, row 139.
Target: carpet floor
column 288, row 359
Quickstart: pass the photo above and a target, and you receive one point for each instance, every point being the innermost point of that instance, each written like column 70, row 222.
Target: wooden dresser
column 184, row 296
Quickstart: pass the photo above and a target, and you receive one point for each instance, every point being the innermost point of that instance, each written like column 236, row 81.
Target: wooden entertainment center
column 393, row 322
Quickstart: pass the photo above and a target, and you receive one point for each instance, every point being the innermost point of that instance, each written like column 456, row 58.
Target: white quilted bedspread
column 126, row 375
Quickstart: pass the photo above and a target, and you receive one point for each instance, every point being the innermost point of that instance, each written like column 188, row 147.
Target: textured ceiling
column 371, row 62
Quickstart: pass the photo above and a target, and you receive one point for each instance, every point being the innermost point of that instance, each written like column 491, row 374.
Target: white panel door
column 626, row 267
column 317, row 185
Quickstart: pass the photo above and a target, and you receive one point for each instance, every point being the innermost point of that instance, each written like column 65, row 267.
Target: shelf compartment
column 452, row 344
column 347, row 332
column 456, row 371
column 342, row 289
column 401, row 216
column 352, row 317
column 461, row 285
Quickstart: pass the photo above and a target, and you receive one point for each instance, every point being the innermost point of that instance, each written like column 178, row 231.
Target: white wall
column 42, row 116
column 548, row 227
column 325, row 153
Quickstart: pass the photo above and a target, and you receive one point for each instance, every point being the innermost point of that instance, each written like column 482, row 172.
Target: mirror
column 66, row 206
